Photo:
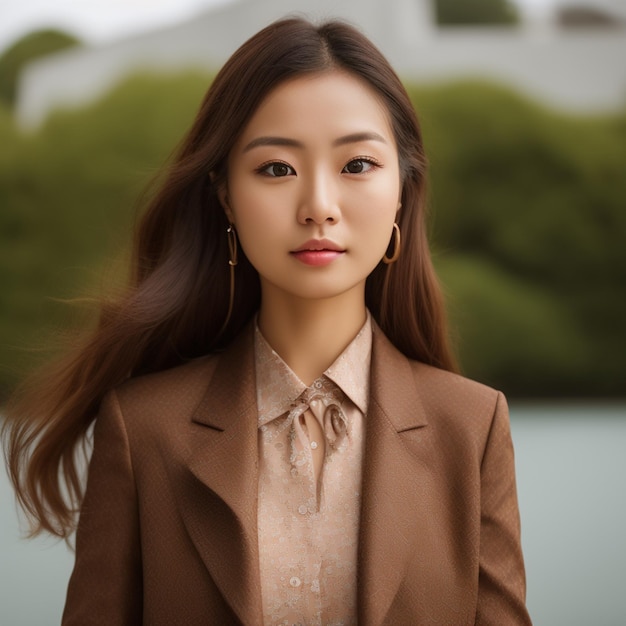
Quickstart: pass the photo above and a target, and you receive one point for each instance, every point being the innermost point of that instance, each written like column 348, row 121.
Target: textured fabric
column 310, row 457
column 168, row 528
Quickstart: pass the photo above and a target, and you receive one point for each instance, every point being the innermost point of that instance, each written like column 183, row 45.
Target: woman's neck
column 309, row 334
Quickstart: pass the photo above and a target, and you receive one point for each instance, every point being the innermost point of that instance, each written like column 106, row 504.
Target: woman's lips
column 318, row 252
column 317, row 257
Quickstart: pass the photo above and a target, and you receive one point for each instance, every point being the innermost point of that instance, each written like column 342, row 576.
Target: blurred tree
column 26, row 49
column 68, row 195
column 449, row 12
column 538, row 198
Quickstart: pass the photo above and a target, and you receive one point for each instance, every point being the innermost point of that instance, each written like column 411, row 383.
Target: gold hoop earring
column 232, row 245
column 231, row 235
column 397, row 245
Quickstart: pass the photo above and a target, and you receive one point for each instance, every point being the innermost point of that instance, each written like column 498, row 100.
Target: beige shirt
column 310, row 467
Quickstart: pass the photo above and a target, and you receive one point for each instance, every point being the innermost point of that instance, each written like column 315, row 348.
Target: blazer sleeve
column 106, row 585
column 502, row 581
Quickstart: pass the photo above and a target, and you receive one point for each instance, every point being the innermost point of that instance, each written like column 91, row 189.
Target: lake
column 571, row 473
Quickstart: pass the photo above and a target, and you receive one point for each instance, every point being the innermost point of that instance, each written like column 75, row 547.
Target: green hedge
column 542, row 197
column 68, row 198
column 529, row 224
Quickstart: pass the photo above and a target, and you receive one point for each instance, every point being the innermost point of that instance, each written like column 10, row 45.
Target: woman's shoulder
column 458, row 409
column 455, row 411
column 436, row 382
column 438, row 390
column 179, row 388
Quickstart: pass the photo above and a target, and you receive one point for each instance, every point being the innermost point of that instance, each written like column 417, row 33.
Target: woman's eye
column 358, row 166
column 276, row 170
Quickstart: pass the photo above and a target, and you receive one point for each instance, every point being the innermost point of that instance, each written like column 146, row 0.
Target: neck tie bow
column 326, row 407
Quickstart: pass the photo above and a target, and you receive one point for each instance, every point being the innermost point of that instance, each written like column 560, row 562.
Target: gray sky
column 93, row 20
column 105, row 20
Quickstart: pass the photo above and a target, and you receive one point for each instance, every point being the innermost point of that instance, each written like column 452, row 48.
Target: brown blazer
column 168, row 534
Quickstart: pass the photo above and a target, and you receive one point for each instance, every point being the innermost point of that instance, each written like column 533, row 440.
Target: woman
column 280, row 438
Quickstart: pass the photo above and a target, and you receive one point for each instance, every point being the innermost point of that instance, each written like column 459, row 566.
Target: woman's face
column 313, row 186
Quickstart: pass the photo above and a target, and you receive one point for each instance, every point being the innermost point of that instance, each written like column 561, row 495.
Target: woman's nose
column 319, row 203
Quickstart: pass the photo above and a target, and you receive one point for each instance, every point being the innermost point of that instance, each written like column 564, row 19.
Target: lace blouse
column 310, row 467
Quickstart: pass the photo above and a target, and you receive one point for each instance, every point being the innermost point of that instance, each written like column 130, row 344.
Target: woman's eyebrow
column 358, row 137
column 273, row 141
column 294, row 143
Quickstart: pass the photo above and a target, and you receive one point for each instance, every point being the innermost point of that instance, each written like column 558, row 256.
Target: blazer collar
column 224, row 458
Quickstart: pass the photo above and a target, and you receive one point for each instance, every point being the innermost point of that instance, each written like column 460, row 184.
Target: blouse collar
column 278, row 387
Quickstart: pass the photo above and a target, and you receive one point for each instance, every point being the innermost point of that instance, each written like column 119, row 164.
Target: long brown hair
column 178, row 297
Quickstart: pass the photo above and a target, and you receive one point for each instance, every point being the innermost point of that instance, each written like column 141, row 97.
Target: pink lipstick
column 318, row 252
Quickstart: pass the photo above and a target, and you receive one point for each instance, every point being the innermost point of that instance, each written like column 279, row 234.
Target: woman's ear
column 224, row 200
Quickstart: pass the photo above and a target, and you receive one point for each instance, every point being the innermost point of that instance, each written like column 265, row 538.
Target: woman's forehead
column 333, row 102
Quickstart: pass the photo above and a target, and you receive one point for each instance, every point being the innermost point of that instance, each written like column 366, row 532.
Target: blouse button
column 295, row 581
column 314, row 445
column 303, row 510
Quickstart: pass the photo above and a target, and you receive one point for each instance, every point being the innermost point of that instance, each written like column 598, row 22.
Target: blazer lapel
column 395, row 483
column 222, row 520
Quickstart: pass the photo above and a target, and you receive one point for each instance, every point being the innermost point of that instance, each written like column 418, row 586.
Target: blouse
column 310, row 469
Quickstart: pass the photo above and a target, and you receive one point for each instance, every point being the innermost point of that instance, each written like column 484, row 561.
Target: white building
column 579, row 70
